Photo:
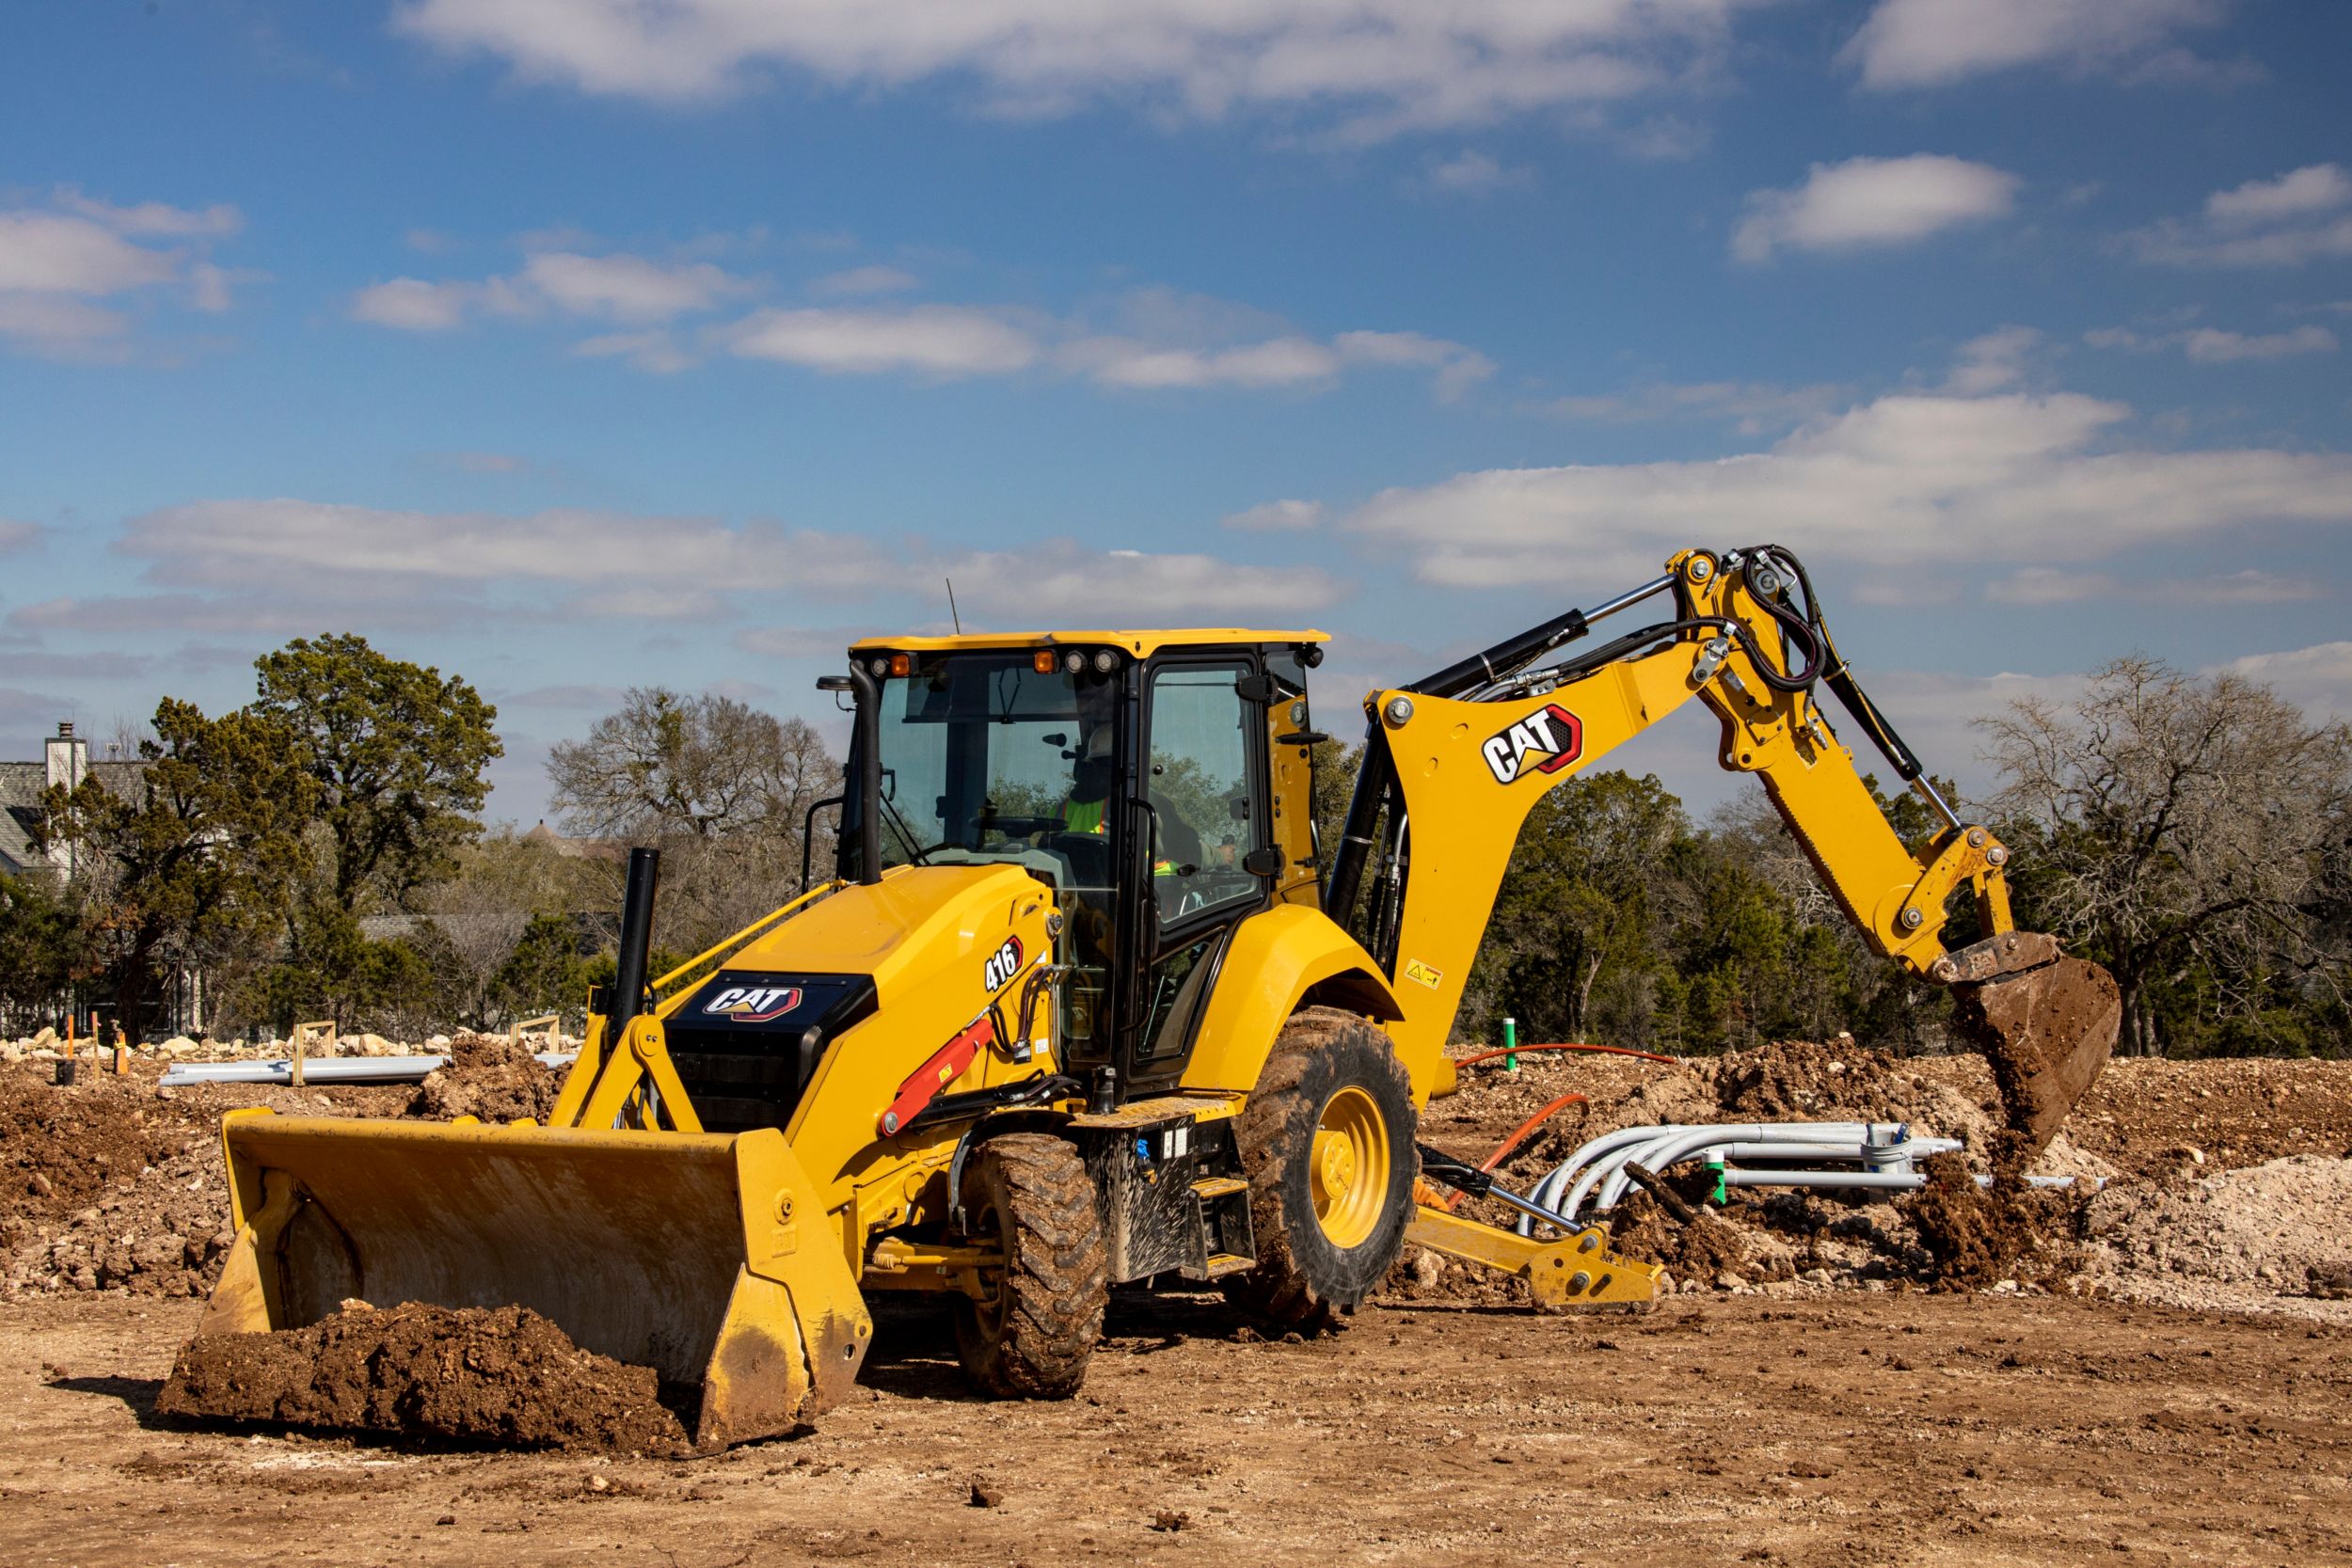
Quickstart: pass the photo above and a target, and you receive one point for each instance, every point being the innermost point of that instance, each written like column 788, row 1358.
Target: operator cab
column 1159, row 783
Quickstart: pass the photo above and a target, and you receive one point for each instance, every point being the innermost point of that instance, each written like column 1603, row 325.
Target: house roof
column 21, row 786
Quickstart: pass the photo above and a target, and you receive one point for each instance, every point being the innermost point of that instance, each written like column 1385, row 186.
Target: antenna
column 951, row 604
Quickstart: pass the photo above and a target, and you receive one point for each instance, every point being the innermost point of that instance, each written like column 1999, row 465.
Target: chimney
column 67, row 756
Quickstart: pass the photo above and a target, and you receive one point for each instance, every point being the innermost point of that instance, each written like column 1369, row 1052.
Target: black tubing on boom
column 1504, row 657
column 1374, row 777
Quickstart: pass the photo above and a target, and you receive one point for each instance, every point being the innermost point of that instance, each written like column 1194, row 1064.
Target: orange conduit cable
column 1505, row 1149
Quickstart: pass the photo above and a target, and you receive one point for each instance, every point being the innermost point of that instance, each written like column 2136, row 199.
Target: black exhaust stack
column 867, row 750
column 628, row 983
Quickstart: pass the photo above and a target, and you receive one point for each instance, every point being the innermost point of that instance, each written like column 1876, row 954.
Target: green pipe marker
column 1722, row 1194
column 1510, row 1042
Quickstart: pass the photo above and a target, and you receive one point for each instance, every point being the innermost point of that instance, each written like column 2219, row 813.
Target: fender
column 1281, row 960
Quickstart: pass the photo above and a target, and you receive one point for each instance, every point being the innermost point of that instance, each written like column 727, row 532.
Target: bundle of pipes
column 329, row 1070
column 1860, row 1154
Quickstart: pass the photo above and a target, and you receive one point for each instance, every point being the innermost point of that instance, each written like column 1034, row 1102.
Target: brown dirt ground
column 1855, row 1430
column 1812, row 1423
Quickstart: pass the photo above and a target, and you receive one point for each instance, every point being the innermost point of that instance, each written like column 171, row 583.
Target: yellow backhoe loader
column 1084, row 1004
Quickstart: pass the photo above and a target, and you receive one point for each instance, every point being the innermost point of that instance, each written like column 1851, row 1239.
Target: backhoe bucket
column 707, row 1256
column 2046, row 1031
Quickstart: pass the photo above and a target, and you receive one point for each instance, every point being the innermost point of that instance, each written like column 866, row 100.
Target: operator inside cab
column 1085, row 808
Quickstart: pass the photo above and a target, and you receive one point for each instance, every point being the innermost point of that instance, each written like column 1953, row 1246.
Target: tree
column 2183, row 831
column 1586, row 893
column 721, row 788
column 203, row 853
column 43, row 945
column 547, row 969
column 706, row 766
column 398, row 752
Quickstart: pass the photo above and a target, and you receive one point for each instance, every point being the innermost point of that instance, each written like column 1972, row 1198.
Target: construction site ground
column 2163, row 1378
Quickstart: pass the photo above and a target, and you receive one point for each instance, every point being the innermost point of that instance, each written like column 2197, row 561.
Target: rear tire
column 1033, row 1340
column 1326, row 1141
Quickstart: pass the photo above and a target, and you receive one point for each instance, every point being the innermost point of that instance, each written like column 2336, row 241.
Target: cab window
column 1205, row 802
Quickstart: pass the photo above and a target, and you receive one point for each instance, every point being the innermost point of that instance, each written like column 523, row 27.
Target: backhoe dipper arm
column 1454, row 764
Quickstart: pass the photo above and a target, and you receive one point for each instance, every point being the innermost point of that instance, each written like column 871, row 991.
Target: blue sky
column 575, row 345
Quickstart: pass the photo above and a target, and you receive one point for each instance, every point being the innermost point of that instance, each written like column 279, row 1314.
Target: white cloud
column 57, row 261
column 1286, row 361
column 54, row 253
column 2213, row 345
column 1753, row 407
column 1275, row 517
column 613, row 287
column 1458, row 368
column 2299, row 193
column 155, row 219
column 413, row 305
column 2317, row 679
column 1993, row 362
column 1470, row 172
column 1380, row 65
column 798, row 641
column 946, row 341
column 2036, row 585
column 1873, row 202
column 667, row 567
column 1162, row 338
column 1906, row 479
column 2297, row 217
column 17, row 536
column 657, row 352
column 1064, row 584
column 1913, row 44
column 859, row 281
column 626, row 288
column 58, row 324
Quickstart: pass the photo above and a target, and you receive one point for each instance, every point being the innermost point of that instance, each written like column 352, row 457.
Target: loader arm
column 1454, row 764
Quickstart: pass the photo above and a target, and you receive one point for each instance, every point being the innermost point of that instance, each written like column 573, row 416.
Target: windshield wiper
column 906, row 834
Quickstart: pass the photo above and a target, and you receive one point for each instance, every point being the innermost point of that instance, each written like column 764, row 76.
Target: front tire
column 1327, row 1142
column 1032, row 1342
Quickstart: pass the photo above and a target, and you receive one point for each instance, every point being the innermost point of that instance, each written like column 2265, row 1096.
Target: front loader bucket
column 708, row 1258
column 2047, row 1031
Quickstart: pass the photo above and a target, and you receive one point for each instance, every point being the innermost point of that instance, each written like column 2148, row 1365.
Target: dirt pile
column 500, row 1375
column 2274, row 1236
column 490, row 1077
column 2152, row 1117
column 1709, row 1249
column 113, row 1184
column 1977, row 1236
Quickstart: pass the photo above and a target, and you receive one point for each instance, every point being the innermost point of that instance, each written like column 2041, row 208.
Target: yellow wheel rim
column 1348, row 1168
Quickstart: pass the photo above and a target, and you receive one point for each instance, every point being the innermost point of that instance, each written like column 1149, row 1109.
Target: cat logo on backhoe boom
column 1551, row 737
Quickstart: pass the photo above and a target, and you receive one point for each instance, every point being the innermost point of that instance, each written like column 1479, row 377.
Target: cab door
column 1204, row 849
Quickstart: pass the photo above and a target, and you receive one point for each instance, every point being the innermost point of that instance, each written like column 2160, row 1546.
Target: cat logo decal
column 1549, row 739
column 753, row 1003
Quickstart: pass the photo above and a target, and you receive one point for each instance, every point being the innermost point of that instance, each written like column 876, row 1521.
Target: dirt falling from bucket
column 494, row 1375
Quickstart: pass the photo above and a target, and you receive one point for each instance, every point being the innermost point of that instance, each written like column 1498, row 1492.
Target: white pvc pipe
column 328, row 1069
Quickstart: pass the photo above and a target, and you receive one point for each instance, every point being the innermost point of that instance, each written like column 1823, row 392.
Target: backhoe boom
column 1454, row 764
